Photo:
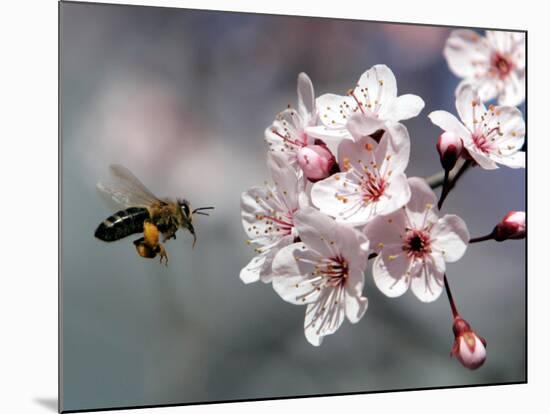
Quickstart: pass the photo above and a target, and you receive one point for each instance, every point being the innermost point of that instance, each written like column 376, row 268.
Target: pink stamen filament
column 288, row 140
column 359, row 103
column 373, row 188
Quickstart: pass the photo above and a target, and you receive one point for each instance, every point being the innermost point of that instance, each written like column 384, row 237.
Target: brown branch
column 436, row 180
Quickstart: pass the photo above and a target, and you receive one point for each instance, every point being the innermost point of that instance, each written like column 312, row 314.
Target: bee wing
column 125, row 189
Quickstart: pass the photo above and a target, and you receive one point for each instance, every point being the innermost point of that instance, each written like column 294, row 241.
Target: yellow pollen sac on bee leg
column 392, row 257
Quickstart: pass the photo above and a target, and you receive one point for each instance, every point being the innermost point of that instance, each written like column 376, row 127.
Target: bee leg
column 151, row 239
column 163, row 255
column 143, row 249
column 169, row 234
column 150, row 234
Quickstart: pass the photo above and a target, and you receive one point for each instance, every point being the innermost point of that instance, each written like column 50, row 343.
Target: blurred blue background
column 182, row 98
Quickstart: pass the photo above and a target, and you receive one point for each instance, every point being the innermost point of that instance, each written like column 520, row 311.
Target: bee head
column 185, row 208
column 188, row 215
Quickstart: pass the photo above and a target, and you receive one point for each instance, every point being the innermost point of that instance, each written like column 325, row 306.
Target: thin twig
column 449, row 184
column 450, row 297
column 436, row 180
column 445, row 190
column 490, row 236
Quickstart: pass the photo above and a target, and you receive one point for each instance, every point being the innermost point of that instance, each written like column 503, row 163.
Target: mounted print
column 265, row 206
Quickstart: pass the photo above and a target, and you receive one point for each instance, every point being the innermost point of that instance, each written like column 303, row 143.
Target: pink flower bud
column 468, row 347
column 316, row 161
column 449, row 146
column 512, row 226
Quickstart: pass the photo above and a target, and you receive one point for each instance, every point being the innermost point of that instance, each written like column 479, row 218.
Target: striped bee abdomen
column 122, row 224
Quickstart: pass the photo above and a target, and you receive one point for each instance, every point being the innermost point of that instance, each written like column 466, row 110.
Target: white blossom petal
column 306, row 96
column 356, row 306
column 251, row 272
column 329, row 135
column 516, row 160
column 385, row 231
column 399, row 151
column 428, row 284
column 376, row 87
column 451, row 237
column 287, row 180
column 398, row 193
column 361, row 126
column 324, row 316
column 466, row 52
column 480, row 158
column 422, row 207
column 316, row 230
column 293, row 267
column 448, row 122
column 404, row 107
column 469, row 107
column 389, row 271
column 331, row 112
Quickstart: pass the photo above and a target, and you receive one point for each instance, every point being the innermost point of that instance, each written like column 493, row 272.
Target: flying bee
column 143, row 213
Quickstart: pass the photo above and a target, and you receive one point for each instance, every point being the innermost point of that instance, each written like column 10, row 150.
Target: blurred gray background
column 182, row 98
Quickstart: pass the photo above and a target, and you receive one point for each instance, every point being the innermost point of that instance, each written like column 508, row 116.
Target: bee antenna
column 202, row 208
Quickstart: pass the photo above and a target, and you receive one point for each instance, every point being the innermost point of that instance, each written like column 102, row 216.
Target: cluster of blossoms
column 340, row 197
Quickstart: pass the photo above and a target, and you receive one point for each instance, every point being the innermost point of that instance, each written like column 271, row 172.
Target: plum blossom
column 491, row 136
column 494, row 64
column 372, row 180
column 267, row 217
column 323, row 271
column 375, row 96
column 512, row 226
column 449, row 145
column 316, row 161
column 413, row 245
column 287, row 134
column 468, row 347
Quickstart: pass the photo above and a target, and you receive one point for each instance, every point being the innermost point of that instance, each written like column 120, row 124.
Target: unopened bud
column 468, row 347
column 449, row 145
column 512, row 226
column 316, row 161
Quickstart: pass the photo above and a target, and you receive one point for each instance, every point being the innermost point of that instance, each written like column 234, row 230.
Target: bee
column 144, row 213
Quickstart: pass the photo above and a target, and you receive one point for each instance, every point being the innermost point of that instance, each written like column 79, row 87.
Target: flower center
column 334, row 271
column 417, row 243
column 373, row 188
column 481, row 142
column 501, row 65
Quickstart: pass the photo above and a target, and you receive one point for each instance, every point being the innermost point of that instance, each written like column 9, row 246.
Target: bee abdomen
column 122, row 224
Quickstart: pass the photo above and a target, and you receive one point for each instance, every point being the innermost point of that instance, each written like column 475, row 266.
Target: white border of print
column 28, row 136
